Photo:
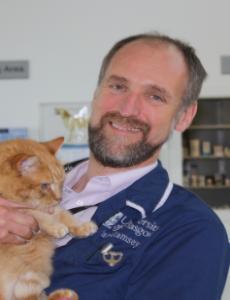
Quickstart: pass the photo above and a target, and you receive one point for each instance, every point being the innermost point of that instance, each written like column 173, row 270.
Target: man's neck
column 95, row 168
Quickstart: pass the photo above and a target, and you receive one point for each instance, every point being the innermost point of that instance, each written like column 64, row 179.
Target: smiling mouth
column 124, row 124
column 124, row 128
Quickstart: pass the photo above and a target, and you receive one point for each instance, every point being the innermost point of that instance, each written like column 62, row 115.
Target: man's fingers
column 9, row 238
column 16, row 226
column 8, row 203
column 15, row 232
column 25, row 220
column 20, row 230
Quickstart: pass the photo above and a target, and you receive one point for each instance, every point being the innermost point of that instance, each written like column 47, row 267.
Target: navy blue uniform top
column 178, row 252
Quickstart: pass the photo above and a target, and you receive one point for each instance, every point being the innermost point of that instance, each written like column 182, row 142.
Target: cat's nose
column 56, row 197
column 56, row 192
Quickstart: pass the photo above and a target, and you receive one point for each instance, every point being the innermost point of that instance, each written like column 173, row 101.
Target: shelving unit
column 206, row 152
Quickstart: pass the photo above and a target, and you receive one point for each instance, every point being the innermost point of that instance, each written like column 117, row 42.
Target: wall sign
column 14, row 69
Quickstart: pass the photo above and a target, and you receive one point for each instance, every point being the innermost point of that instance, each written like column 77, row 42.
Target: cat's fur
column 30, row 174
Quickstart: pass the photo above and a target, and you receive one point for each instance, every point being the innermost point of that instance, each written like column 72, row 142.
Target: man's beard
column 130, row 155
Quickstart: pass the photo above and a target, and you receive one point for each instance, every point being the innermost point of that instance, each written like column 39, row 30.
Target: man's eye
column 157, row 98
column 117, row 87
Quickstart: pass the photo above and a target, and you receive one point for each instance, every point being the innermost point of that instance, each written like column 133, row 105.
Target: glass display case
column 206, row 152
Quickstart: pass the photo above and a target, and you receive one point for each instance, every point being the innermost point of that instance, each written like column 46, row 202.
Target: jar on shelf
column 194, row 145
column 206, row 148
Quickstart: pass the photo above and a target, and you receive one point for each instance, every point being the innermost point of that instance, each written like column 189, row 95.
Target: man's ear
column 185, row 117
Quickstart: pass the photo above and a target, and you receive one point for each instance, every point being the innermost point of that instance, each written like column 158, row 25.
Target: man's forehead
column 143, row 48
column 148, row 55
column 150, row 63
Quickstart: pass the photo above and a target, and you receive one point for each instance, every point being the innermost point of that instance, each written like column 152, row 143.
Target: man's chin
column 121, row 152
column 114, row 162
column 120, row 139
column 123, row 159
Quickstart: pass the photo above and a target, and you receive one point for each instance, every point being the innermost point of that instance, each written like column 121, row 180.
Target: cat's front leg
column 49, row 224
column 75, row 228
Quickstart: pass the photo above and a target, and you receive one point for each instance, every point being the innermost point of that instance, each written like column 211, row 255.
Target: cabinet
column 206, row 152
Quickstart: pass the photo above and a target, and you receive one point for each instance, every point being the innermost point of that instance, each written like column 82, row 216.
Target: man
column 155, row 240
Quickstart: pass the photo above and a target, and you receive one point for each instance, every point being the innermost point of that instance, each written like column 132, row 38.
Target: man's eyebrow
column 151, row 87
column 117, row 78
column 159, row 89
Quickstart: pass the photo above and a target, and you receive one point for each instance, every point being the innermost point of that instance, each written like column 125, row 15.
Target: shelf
column 206, row 149
column 205, row 157
column 208, row 187
column 210, row 126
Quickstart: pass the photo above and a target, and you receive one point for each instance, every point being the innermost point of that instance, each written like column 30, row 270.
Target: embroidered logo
column 119, row 226
column 111, row 257
column 113, row 220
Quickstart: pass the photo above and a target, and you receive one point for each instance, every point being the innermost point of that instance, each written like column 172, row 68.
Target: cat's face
column 40, row 183
column 32, row 174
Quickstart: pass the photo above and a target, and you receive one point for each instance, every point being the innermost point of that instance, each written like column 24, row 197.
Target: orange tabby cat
column 30, row 174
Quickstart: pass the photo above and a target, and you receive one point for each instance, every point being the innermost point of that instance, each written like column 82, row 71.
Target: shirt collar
column 134, row 187
column 125, row 178
column 116, row 182
column 143, row 197
column 150, row 192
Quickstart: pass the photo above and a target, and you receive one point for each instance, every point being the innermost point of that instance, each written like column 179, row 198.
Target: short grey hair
column 196, row 71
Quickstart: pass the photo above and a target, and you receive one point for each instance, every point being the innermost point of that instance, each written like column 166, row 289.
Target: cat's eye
column 45, row 185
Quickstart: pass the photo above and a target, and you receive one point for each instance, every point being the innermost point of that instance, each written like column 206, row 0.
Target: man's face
column 136, row 104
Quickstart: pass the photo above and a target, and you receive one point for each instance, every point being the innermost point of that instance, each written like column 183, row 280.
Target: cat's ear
column 25, row 164
column 54, row 145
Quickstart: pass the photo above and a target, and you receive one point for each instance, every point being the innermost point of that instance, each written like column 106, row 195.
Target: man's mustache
column 129, row 121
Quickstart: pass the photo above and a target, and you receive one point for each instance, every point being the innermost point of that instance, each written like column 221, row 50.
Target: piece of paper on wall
column 65, row 119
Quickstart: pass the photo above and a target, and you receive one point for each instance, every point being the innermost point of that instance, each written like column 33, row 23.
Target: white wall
column 65, row 40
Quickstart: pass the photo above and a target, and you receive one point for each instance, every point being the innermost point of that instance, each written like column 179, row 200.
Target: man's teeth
column 124, row 128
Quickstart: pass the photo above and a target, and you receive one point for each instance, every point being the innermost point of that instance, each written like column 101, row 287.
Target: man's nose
column 130, row 105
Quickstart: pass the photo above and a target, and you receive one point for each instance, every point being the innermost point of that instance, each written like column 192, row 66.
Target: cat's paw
column 63, row 294
column 84, row 230
column 59, row 230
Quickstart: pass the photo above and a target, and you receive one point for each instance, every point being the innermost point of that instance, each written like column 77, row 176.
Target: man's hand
column 16, row 227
